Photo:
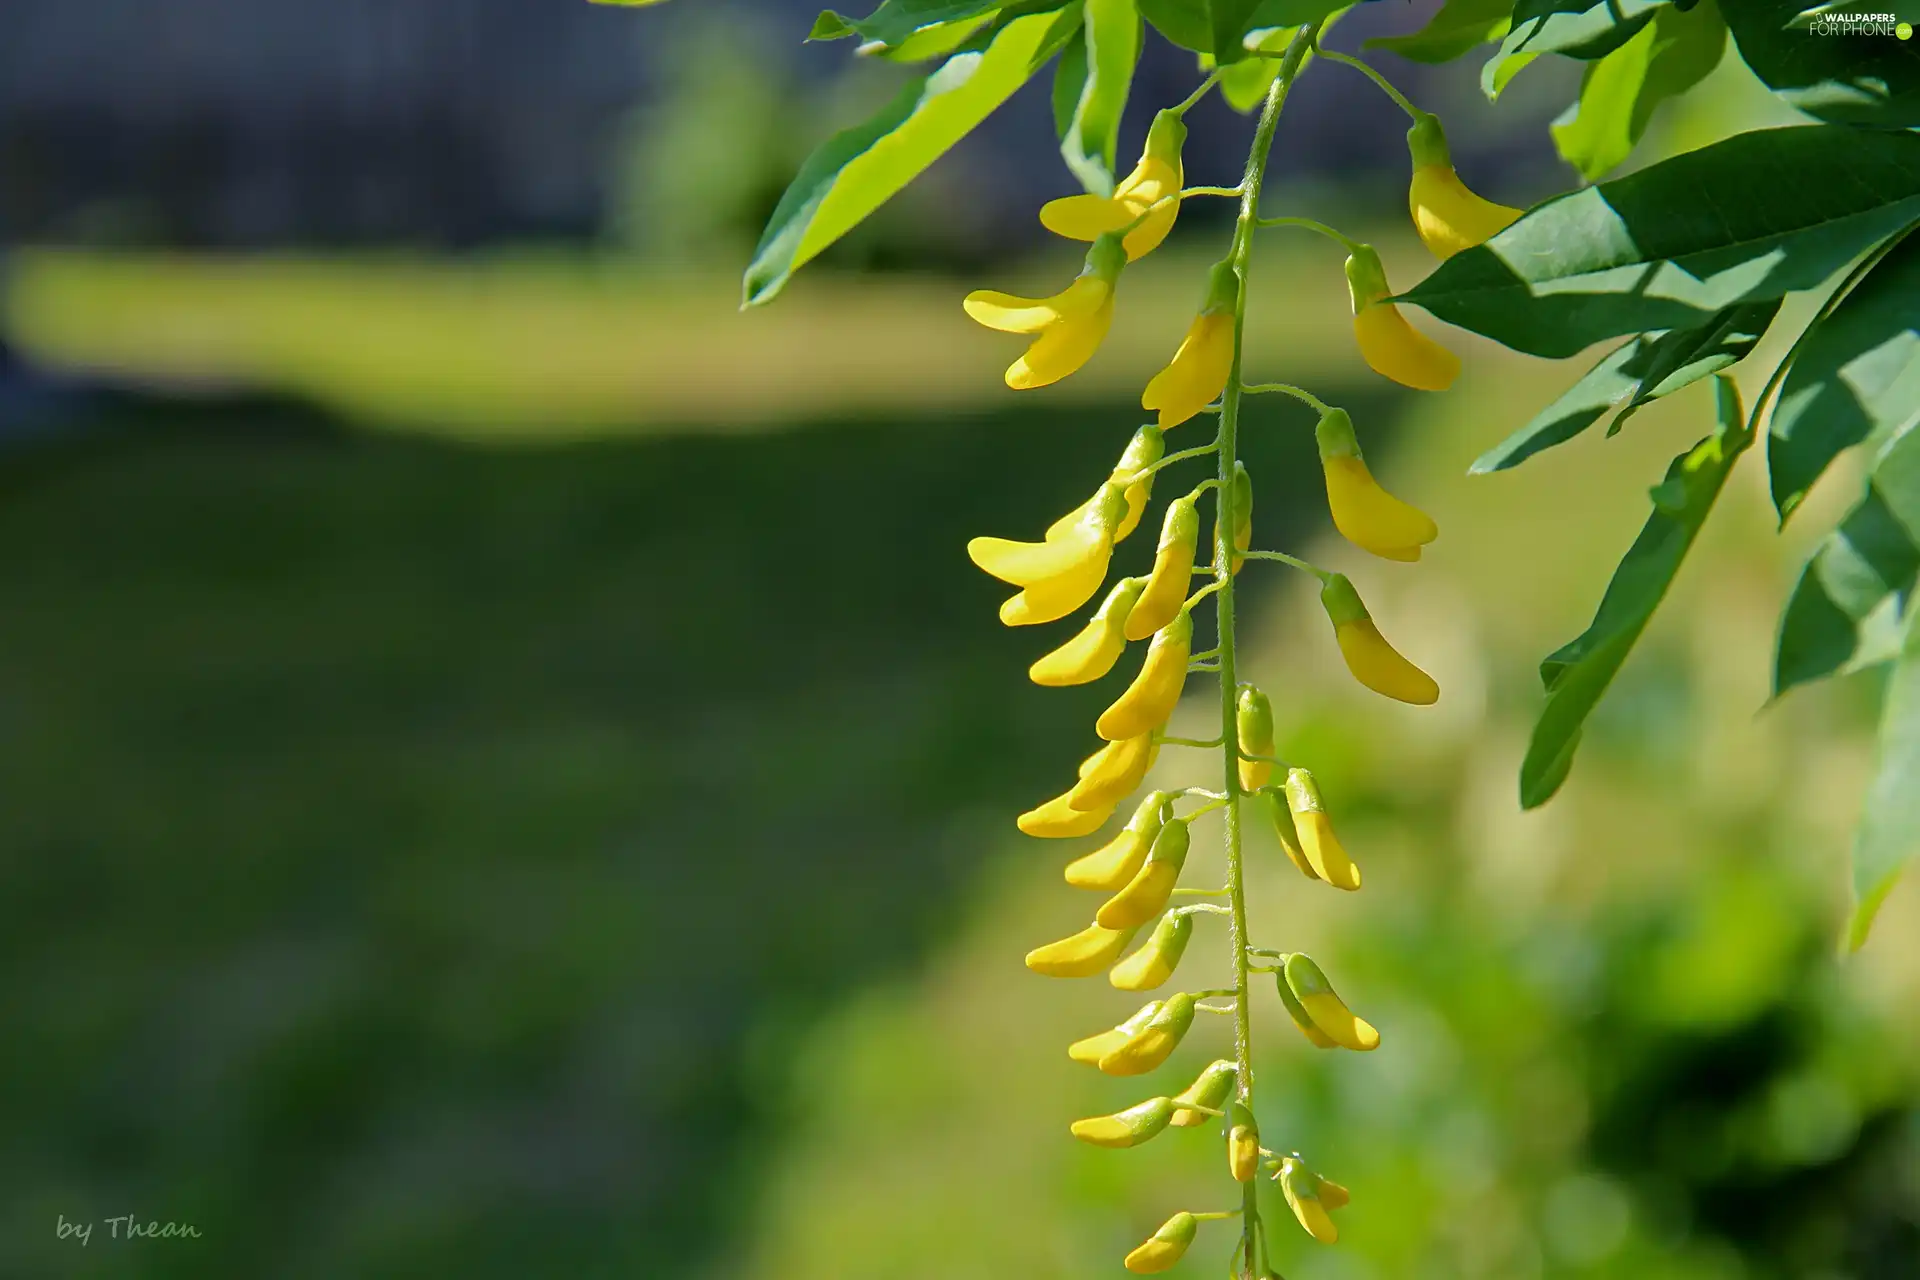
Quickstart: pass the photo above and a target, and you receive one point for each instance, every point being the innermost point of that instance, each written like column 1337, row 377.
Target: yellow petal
column 1339, row 1023
column 1091, row 653
column 1449, row 216
column 1153, row 1043
column 1151, row 698
column 1371, row 518
column 1165, row 1247
column 1166, row 590
column 1197, row 374
column 1379, row 666
column 1209, row 1089
column 1394, row 349
column 1113, row 773
column 1085, row 217
column 1333, row 1195
column 1144, row 897
column 1062, row 348
column 1152, row 182
column 1056, row 819
column 1324, row 852
column 1157, row 958
column 1312, row 1215
column 1011, row 313
column 1025, row 564
column 1086, row 953
column 1114, row 864
column 1056, row 597
column 1127, row 1128
column 1094, row 1048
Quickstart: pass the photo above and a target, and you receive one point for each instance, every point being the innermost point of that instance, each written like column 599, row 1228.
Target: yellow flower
column 1274, row 802
column 1086, row 953
column 1448, row 216
column 1243, row 1143
column 1114, row 864
column 1209, row 1089
column 1069, row 326
column 1061, row 573
column 1155, row 961
column 1318, row 844
column 1365, row 514
column 1311, row 1196
column 1091, row 653
column 1198, row 372
column 1057, row 819
column 1145, row 449
column 1152, row 190
column 1145, row 896
column 1153, row 1043
column 1110, row 774
column 1096, row 1047
column 1324, row 1008
column 1391, row 347
column 1154, row 693
column 1315, row 1036
column 1127, row 1128
column 1166, row 589
column 1165, row 1247
column 1373, row 662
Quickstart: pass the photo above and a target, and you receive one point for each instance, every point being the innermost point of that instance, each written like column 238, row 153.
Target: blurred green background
column 507, row 771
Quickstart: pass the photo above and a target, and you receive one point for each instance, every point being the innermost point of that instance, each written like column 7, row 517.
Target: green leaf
column 1889, row 831
column 1578, row 674
column 929, row 43
column 1219, row 27
column 1855, row 375
column 1458, row 27
column 1584, row 29
column 1188, row 23
column 895, row 21
column 1069, row 82
column 1861, row 80
column 1112, row 48
column 1646, row 368
column 1618, row 96
column 1753, row 217
column 1244, row 84
column 1860, row 580
column 859, row 169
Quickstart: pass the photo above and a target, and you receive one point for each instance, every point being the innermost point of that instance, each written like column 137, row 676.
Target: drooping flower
column 1243, row 1143
column 1153, row 1043
column 1145, row 896
column 1319, row 846
column 1198, row 372
column 1127, row 1128
column 1151, row 698
column 1059, row 574
column 1114, row 864
column 1253, row 722
column 1148, row 197
column 1166, row 589
column 1081, row 955
column 1365, row 514
column 1391, row 347
column 1373, row 662
column 1157, row 958
column 1165, row 1247
column 1068, row 327
column 1111, row 774
column 1096, row 1047
column 1092, row 652
column 1324, row 1007
column 1446, row 213
column 1311, row 1197
column 1209, row 1089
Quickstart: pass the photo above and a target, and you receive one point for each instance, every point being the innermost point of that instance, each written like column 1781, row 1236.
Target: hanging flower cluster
column 1137, row 871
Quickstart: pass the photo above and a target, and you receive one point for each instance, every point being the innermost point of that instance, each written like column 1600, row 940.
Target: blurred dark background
column 506, row 771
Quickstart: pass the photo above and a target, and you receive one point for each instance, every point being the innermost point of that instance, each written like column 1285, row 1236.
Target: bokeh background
column 506, row 771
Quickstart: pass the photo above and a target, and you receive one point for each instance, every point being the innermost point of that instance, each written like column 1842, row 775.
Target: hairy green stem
column 1223, row 551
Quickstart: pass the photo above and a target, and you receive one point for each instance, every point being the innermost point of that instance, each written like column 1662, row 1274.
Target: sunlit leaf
column 859, row 169
column 1750, row 218
column 1585, row 29
column 1578, row 674
column 1845, row 79
column 1618, row 96
column 1855, row 375
column 1889, row 833
column 896, row 21
column 1111, row 49
column 1644, row 369
column 1459, row 26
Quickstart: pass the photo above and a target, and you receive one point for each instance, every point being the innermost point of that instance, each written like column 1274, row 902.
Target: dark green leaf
column 1578, row 674
column 896, row 20
column 1244, row 84
column 1460, row 25
column 1753, row 217
column 1859, row 581
column 859, row 169
column 1862, row 80
column 1645, row 368
column 1585, row 29
column 1188, row 23
column 1856, row 374
column 1889, row 832
column 1218, row 27
column 1667, row 57
column 1112, row 47
column 1069, row 82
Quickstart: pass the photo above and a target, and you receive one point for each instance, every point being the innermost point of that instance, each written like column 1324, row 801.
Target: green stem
column 1347, row 242
column 1224, row 549
column 1187, row 104
column 1287, row 388
column 1385, row 87
column 1284, row 558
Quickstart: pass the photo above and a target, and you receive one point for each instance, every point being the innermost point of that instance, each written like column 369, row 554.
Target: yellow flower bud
column 1391, row 347
column 1365, row 514
column 1086, row 953
column 1243, row 1143
column 1373, row 662
column 1318, row 844
column 1147, row 447
column 1151, row 698
column 1110, row 867
column 1324, row 1007
column 1273, row 803
column 1057, row 819
column 1154, row 1043
column 1153, row 188
column 1165, row 1247
column 1310, row 1197
column 1253, row 721
column 1112, row 773
column 1069, row 326
column 1448, row 216
column 1154, row 962
column 1198, row 372
column 1298, row 1013
column 1145, row 896
column 1127, row 1128
column 1091, row 653
column 1166, row 590
column 1240, row 502
column 1096, row 1047
column 1210, row 1090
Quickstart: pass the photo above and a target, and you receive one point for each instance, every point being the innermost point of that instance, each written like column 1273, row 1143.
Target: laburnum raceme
column 1141, row 932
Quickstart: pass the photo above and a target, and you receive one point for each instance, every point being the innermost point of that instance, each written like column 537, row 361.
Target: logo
column 1861, row 24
